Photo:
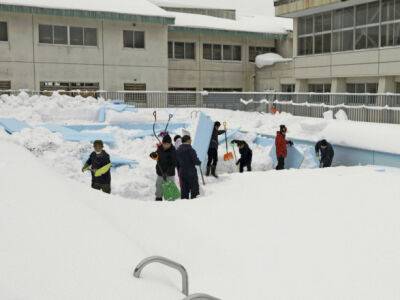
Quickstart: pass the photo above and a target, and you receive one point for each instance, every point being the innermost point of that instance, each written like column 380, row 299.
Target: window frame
column 132, row 32
column 6, row 31
column 221, row 46
column 68, row 28
column 185, row 44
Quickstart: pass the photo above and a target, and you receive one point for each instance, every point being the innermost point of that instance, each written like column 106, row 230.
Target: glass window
column 337, row 19
column 373, row 37
column 327, row 21
column 387, row 10
column 227, row 51
column 139, row 39
column 189, row 51
column 237, row 53
column 252, row 54
column 179, row 50
column 348, row 40
column 348, row 17
column 60, row 35
column 3, row 32
column 76, row 35
column 309, row 45
column 361, row 14
column 387, row 34
column 373, row 12
column 361, row 38
column 336, row 41
column 360, row 88
column 372, row 88
column 170, row 50
column 326, row 43
column 90, row 36
column 318, row 44
column 207, row 51
column 46, row 34
column 309, row 25
column 318, row 23
column 397, row 9
column 396, row 40
column 217, row 52
column 351, row 88
column 301, row 46
column 128, row 38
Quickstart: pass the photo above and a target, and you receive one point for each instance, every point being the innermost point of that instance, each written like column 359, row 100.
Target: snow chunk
column 328, row 115
column 269, row 59
column 341, row 115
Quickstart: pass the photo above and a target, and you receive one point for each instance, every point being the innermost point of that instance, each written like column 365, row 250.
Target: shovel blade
column 228, row 156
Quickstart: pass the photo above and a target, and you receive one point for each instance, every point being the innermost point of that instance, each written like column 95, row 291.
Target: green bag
column 170, row 191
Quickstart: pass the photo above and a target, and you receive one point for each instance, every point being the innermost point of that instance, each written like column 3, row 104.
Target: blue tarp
column 12, row 125
column 230, row 135
column 116, row 106
column 201, row 140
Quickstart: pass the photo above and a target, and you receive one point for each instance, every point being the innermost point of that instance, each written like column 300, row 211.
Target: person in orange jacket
column 281, row 147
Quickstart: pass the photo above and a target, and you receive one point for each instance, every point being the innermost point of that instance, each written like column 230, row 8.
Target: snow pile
column 328, row 115
column 269, row 59
column 140, row 7
column 300, row 234
column 341, row 115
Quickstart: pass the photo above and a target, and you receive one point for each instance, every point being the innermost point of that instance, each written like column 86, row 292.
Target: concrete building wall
column 26, row 62
column 273, row 77
column 200, row 73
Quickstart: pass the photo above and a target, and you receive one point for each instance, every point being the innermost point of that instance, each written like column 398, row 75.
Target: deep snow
column 299, row 234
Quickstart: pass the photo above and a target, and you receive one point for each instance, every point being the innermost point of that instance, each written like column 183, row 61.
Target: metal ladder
column 185, row 278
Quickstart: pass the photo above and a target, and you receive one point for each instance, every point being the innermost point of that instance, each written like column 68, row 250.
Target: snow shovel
column 228, row 155
column 170, row 191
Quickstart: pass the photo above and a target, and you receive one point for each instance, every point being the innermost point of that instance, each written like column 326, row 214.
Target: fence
column 380, row 108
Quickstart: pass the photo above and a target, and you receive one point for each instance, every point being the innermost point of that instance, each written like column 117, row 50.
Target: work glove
column 85, row 168
column 290, row 143
column 154, row 155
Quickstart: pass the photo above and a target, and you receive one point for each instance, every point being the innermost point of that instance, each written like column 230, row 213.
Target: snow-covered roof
column 125, row 7
column 269, row 59
column 255, row 24
column 206, row 4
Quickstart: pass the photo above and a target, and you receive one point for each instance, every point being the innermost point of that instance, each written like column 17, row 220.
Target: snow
column 255, row 23
column 297, row 234
column 136, row 7
column 190, row 4
column 341, row 115
column 283, row 236
column 269, row 59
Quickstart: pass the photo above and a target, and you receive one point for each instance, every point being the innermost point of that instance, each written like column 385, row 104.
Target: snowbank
column 269, row 59
column 252, row 237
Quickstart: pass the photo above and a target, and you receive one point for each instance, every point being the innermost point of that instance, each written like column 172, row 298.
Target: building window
column 181, row 50
column 182, row 99
column 361, row 88
column 3, row 32
column 83, row 36
column 5, row 85
column 254, row 51
column 223, row 90
column 287, row 88
column 319, row 88
column 68, row 86
column 134, row 39
column 136, row 97
column 371, row 25
column 222, row 52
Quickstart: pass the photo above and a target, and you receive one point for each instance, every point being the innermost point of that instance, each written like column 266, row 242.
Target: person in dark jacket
column 187, row 162
column 281, row 147
column 99, row 164
column 166, row 164
column 246, row 155
column 324, row 150
column 213, row 150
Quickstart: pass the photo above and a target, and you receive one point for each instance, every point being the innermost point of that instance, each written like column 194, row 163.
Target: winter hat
column 217, row 123
column 282, row 128
column 167, row 140
column 185, row 139
column 177, row 137
column 324, row 143
column 98, row 143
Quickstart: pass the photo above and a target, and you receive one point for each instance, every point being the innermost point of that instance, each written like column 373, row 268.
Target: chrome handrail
column 169, row 263
column 200, row 296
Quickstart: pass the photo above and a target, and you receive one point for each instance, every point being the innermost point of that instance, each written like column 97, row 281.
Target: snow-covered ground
column 299, row 234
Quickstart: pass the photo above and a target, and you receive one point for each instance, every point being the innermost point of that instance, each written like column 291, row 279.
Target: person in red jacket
column 281, row 147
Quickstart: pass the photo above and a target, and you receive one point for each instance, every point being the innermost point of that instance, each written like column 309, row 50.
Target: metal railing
column 169, row 263
column 380, row 108
column 200, row 296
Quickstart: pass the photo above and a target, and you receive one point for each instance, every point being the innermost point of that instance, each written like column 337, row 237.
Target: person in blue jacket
column 187, row 161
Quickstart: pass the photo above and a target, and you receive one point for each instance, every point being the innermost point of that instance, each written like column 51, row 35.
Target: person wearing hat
column 187, row 162
column 166, row 164
column 213, row 150
column 281, row 147
column 324, row 151
column 246, row 155
column 99, row 164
